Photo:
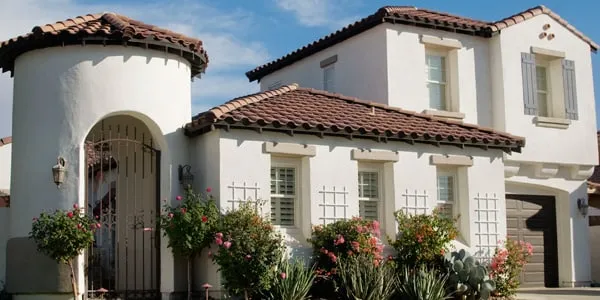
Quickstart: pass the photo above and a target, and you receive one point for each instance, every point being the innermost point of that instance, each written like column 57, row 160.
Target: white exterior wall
column 360, row 70
column 5, row 159
column 575, row 145
column 243, row 161
column 561, row 169
column 60, row 93
column 406, row 72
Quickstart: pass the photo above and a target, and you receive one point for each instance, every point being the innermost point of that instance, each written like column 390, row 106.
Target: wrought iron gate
column 123, row 172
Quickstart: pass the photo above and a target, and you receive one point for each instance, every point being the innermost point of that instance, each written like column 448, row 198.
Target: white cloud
column 219, row 30
column 320, row 13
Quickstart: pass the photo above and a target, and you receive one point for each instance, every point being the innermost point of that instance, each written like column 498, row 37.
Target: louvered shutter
column 368, row 209
column 529, row 83
column 570, row 89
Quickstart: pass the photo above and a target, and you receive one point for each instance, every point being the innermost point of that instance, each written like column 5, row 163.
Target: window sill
column 549, row 122
column 445, row 114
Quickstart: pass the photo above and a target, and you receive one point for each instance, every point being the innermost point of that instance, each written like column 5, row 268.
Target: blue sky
column 241, row 34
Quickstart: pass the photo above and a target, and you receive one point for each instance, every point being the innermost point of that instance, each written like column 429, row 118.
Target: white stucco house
column 406, row 108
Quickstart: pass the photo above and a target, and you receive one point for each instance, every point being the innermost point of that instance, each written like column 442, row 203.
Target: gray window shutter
column 570, row 88
column 529, row 83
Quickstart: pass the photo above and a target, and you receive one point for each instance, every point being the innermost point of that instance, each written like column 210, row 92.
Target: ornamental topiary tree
column 190, row 226
column 64, row 235
column 249, row 251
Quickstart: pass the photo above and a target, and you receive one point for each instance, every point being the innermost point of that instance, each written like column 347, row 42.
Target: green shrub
column 293, row 282
column 506, row 266
column 423, row 239
column 361, row 279
column 64, row 235
column 190, row 226
column 421, row 283
column 249, row 251
column 342, row 239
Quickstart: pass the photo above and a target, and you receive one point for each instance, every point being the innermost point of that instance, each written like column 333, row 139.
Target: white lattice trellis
column 333, row 205
column 486, row 225
column 239, row 194
column 414, row 202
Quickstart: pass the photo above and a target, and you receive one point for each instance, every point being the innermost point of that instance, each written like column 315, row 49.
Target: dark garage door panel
column 533, row 219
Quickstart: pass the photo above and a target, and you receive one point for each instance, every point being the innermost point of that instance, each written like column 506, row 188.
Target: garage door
column 533, row 219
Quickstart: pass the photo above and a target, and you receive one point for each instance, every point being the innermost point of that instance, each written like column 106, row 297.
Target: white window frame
column 548, row 91
column 446, row 83
column 329, row 81
column 373, row 168
column 451, row 172
column 284, row 162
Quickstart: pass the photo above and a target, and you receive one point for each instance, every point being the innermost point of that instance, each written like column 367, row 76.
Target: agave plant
column 293, row 282
column 362, row 278
column 422, row 284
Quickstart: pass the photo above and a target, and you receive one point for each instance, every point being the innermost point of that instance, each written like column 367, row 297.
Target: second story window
column 328, row 78
column 541, row 73
column 436, row 81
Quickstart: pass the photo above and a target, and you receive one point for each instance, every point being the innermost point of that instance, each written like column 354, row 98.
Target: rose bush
column 506, row 266
column 63, row 235
column 423, row 239
column 190, row 225
column 345, row 238
column 250, row 250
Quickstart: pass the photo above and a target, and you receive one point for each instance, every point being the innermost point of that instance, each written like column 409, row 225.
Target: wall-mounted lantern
column 583, row 206
column 58, row 172
column 185, row 176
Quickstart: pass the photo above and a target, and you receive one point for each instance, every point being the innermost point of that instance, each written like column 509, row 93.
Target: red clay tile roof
column 104, row 28
column 414, row 16
column 308, row 111
column 5, row 141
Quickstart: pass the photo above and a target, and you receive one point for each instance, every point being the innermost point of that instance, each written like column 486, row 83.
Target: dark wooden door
column 533, row 219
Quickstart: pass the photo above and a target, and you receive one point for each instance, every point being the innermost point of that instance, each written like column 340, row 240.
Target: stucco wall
column 406, row 72
column 578, row 143
column 360, row 70
column 60, row 93
column 243, row 162
column 595, row 253
column 5, row 159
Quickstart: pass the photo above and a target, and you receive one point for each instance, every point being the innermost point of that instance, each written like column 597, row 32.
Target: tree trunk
column 246, row 294
column 73, row 281
column 189, row 276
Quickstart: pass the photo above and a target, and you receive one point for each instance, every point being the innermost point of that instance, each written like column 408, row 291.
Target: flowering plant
column 342, row 239
column 64, row 235
column 190, row 225
column 507, row 264
column 423, row 239
column 249, row 251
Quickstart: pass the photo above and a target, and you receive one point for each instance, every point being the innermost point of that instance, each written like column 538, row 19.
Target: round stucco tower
column 68, row 78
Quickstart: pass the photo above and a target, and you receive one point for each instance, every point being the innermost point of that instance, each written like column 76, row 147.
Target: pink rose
column 283, row 275
column 204, row 219
column 227, row 244
column 219, row 235
column 178, row 198
column 219, row 241
column 79, row 226
column 183, row 210
column 75, row 206
column 98, row 225
column 171, row 215
column 70, row 214
column 248, row 256
column 208, row 190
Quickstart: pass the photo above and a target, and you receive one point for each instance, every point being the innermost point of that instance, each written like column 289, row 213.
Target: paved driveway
column 559, row 294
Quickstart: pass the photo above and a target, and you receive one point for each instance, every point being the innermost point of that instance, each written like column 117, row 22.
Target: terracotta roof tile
column 302, row 110
column 414, row 16
column 5, row 140
column 108, row 28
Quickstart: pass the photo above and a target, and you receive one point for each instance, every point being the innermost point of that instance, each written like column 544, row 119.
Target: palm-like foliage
column 294, row 281
column 362, row 278
column 421, row 284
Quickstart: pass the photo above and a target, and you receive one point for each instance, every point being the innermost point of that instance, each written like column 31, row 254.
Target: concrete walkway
column 559, row 294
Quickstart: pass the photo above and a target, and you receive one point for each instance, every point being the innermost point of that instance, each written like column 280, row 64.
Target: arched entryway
column 122, row 191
